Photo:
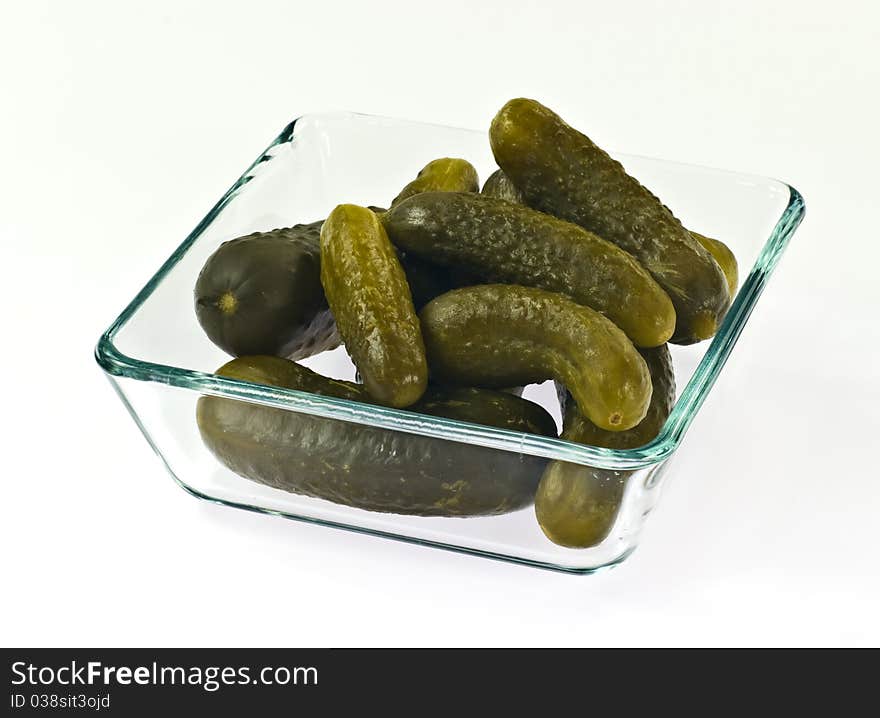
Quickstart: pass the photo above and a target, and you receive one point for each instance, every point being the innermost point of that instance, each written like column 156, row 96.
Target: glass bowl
column 160, row 362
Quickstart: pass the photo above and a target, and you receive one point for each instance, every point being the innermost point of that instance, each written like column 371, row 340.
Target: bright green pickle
column 724, row 258
column 499, row 335
column 370, row 298
column 447, row 174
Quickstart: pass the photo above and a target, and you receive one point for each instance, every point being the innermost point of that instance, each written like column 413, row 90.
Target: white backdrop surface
column 122, row 123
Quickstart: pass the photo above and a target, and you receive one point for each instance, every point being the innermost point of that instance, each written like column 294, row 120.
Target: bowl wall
column 161, row 362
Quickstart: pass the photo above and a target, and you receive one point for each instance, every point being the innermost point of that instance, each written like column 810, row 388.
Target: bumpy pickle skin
column 514, row 244
column 261, row 294
column 562, row 172
column 447, row 174
column 497, row 336
column 426, row 279
column 368, row 467
column 498, row 185
column 370, row 299
column 724, row 258
column 576, row 506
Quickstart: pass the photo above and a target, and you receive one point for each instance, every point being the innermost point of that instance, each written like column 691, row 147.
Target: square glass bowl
column 160, row 362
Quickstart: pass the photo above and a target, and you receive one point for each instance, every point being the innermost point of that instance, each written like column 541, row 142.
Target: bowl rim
column 116, row 363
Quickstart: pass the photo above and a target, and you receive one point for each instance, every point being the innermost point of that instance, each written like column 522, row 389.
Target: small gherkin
column 261, row 294
column 562, row 172
column 447, row 174
column 370, row 298
column 501, row 335
column 576, row 505
column 499, row 185
column 724, row 257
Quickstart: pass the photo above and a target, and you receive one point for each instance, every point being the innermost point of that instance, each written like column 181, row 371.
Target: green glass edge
column 115, row 363
column 403, row 538
column 354, row 528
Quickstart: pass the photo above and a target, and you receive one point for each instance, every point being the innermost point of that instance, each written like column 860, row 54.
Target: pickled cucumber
column 504, row 335
column 261, row 294
column 578, row 428
column 499, row 185
column 517, row 245
column 560, row 171
column 368, row 467
column 724, row 257
column 426, row 279
column 448, row 174
column 576, row 505
column 371, row 301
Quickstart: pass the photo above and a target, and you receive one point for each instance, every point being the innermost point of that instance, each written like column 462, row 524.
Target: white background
column 122, row 123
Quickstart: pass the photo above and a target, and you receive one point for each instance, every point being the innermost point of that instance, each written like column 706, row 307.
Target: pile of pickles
column 563, row 267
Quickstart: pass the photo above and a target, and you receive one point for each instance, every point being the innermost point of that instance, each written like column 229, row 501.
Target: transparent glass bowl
column 160, row 361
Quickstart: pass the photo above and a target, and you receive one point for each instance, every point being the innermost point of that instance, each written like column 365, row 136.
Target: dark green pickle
column 560, row 171
column 261, row 294
column 370, row 298
column 447, row 174
column 576, row 505
column 497, row 336
column 367, row 467
column 428, row 280
column 514, row 244
column 498, row 185
column 258, row 296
